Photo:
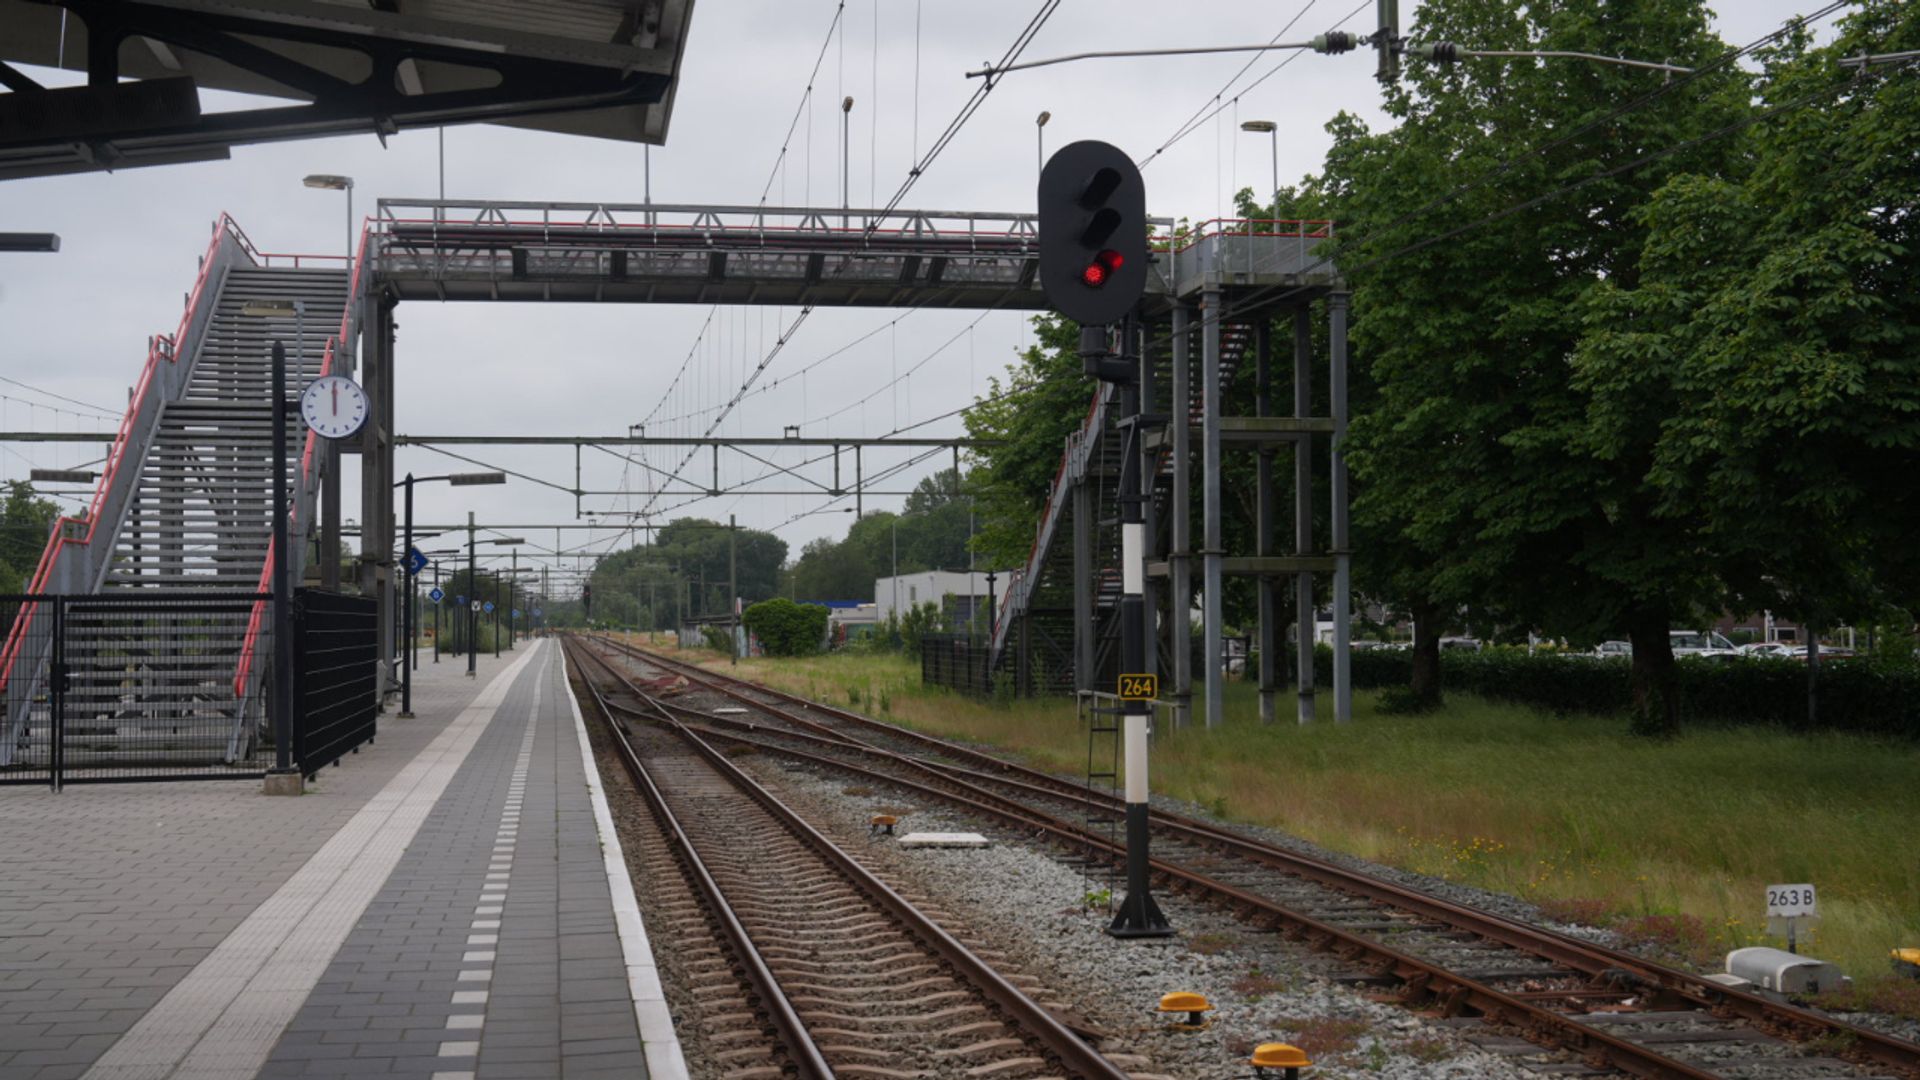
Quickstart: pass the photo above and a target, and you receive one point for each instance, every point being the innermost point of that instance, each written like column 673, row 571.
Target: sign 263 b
column 1790, row 901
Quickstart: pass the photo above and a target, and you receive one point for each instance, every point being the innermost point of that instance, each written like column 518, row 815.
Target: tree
column 1474, row 448
column 1767, row 350
column 1028, row 417
column 786, row 628
column 25, row 522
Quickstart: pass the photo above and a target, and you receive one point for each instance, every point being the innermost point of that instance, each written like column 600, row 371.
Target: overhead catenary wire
column 972, row 105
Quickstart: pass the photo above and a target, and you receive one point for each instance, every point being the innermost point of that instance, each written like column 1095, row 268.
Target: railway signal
column 1093, row 232
column 1093, row 266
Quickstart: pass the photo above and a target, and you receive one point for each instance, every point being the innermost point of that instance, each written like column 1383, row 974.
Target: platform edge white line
column 659, row 1043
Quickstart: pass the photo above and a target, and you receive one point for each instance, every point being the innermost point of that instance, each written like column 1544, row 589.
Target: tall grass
column 1572, row 812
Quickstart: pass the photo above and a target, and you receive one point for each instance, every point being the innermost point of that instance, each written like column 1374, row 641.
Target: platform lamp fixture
column 1040, row 138
column 330, row 182
column 1272, row 131
column 415, row 562
column 846, row 114
column 284, row 777
column 436, row 555
column 513, row 542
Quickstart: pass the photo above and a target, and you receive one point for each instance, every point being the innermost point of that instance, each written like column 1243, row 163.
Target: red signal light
column 1101, row 268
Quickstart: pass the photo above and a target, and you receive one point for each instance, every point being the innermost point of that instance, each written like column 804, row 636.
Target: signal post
column 1093, row 266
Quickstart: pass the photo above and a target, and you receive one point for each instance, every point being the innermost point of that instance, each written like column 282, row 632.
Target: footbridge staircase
column 154, row 594
column 1034, row 631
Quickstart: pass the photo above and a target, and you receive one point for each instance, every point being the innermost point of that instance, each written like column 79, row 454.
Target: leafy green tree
column 1473, row 449
column 25, row 523
column 1029, row 415
column 1766, row 352
column 786, row 628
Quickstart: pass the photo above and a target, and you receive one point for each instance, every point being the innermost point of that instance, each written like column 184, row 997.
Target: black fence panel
column 957, row 661
column 29, row 752
column 336, row 687
column 133, row 685
column 164, row 687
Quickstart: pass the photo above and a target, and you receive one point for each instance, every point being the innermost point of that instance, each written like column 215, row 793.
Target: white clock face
column 334, row 406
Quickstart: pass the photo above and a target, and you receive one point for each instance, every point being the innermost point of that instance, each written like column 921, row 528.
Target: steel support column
column 1149, row 602
column 1084, row 573
column 1263, row 524
column 376, row 476
column 330, row 516
column 1212, row 613
column 1337, row 491
column 1303, row 509
column 1180, row 603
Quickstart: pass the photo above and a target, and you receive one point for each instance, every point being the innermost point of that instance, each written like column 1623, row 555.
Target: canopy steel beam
column 361, row 70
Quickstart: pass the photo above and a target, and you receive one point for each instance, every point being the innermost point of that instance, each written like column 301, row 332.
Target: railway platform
column 451, row 903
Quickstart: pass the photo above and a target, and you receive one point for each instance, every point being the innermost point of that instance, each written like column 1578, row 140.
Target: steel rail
column 801, row 1049
column 1057, row 1038
column 1585, row 957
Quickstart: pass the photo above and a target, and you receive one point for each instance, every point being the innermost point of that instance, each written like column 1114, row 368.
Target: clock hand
column 336, row 399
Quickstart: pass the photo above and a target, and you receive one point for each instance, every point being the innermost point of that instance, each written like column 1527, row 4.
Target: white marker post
column 1788, row 906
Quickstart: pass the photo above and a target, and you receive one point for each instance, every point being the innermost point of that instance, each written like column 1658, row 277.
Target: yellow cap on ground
column 1183, row 1001
column 1279, row 1056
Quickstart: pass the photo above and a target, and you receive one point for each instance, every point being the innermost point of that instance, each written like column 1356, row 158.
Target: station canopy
column 599, row 68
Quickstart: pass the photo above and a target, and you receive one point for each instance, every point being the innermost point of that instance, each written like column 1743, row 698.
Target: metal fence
column 957, row 661
column 129, row 688
column 137, row 686
column 336, row 671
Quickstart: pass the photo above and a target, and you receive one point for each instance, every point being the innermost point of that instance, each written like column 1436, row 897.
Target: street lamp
column 284, row 778
column 1272, row 131
column 413, row 658
column 1040, row 138
column 330, row 182
column 846, row 144
column 439, row 553
column 512, row 541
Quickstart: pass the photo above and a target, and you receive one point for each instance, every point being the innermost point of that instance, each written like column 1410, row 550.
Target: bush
column 786, row 628
column 1878, row 697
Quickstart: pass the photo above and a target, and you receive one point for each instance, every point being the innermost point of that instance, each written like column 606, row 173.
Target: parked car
column 1700, row 643
column 1767, row 650
column 1614, row 650
column 1827, row 652
column 1460, row 643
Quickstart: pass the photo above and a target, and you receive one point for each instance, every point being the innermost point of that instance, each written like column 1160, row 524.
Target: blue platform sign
column 487, row 607
column 416, row 562
column 538, row 614
column 461, row 600
column 516, row 613
column 438, row 594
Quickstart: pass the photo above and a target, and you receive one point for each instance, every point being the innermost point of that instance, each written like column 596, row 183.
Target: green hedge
column 1869, row 697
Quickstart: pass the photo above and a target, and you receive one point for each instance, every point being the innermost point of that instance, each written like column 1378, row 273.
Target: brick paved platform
column 450, row 902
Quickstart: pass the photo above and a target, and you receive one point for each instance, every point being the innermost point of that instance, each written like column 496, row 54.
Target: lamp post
column 505, row 541
column 473, row 607
column 1040, row 138
column 330, row 182
column 284, row 778
column 1272, row 131
column 412, row 660
column 846, row 151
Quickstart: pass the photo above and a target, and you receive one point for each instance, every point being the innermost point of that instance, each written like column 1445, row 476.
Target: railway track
column 1615, row 1012
column 811, row 965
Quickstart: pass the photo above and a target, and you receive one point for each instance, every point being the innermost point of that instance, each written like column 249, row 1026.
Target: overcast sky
column 75, row 323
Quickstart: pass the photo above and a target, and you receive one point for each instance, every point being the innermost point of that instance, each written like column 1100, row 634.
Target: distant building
column 959, row 594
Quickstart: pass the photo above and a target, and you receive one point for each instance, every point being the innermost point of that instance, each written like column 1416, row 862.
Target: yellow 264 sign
column 1139, row 687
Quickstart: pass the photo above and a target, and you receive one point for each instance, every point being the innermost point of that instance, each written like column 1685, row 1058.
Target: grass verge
column 1673, row 843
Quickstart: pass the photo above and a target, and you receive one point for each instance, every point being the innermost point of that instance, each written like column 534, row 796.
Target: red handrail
column 156, row 351
column 1093, row 406
column 265, row 587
